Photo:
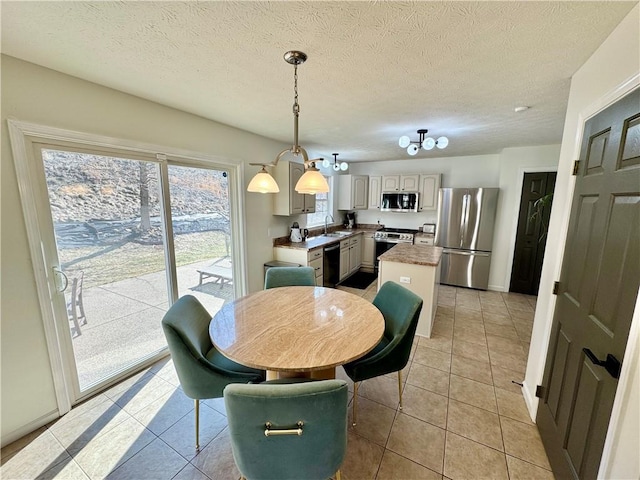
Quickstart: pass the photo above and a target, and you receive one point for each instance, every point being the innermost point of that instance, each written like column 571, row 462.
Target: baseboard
column 28, row 428
column 497, row 288
column 531, row 401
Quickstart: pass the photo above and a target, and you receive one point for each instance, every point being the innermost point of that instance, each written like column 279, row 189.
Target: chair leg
column 197, row 408
column 338, row 475
column 400, row 387
column 355, row 402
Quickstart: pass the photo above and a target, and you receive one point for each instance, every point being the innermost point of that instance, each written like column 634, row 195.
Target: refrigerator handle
column 464, row 218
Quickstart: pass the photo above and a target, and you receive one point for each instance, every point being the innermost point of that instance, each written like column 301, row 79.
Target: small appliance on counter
column 296, row 235
column 429, row 228
column 351, row 220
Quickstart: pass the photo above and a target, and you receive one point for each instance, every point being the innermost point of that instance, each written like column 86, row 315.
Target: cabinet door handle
column 611, row 364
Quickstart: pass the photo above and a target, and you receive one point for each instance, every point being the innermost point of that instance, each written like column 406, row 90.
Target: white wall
column 35, row 94
column 599, row 82
column 504, row 170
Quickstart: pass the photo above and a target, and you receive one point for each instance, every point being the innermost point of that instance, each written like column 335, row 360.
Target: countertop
column 321, row 241
column 413, row 254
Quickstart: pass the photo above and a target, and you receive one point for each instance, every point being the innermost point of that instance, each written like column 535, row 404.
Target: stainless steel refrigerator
column 466, row 218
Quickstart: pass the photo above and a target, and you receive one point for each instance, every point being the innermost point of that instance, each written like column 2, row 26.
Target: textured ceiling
column 376, row 70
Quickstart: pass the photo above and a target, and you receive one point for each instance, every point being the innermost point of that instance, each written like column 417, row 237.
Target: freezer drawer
column 465, row 268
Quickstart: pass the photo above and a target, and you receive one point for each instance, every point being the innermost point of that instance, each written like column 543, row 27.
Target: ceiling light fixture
column 337, row 166
column 312, row 181
column 425, row 142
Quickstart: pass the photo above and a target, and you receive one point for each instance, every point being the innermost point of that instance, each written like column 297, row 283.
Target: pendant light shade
column 312, row 182
column 263, row 183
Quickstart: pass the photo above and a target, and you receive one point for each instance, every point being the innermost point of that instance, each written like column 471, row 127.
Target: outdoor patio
column 123, row 318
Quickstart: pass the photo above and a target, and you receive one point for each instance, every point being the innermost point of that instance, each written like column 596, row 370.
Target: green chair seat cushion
column 218, row 360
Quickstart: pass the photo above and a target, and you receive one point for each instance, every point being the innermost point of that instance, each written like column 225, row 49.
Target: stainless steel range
column 387, row 238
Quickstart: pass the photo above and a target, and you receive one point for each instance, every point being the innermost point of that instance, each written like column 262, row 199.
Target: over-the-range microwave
column 399, row 202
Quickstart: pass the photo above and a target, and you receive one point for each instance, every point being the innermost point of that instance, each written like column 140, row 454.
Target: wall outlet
column 405, row 279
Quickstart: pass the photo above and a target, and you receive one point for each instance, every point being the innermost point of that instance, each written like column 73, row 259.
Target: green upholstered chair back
column 186, row 328
column 288, row 276
column 321, row 406
column 401, row 310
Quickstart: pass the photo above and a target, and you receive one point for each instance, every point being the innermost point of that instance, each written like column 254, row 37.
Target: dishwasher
column 331, row 265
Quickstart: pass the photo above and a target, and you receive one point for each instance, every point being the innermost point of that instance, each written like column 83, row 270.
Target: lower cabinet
column 350, row 256
column 312, row 258
column 368, row 252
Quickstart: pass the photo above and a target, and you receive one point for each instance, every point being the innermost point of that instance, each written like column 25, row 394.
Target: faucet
column 326, row 226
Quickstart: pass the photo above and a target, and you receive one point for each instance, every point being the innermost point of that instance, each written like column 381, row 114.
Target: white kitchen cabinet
column 311, row 258
column 350, row 255
column 368, row 251
column 344, row 259
column 288, row 201
column 421, row 239
column 429, row 186
column 353, row 192
column 375, row 184
column 355, row 253
column 400, row 183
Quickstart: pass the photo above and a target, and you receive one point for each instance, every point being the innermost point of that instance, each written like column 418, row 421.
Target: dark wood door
column 597, row 293
column 531, row 236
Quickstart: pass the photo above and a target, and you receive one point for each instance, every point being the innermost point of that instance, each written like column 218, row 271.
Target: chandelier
column 424, row 142
column 312, row 181
column 337, row 166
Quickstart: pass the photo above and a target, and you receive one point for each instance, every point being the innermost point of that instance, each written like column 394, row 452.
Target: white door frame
column 40, row 234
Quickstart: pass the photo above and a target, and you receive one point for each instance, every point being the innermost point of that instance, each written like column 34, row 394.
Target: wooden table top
column 297, row 329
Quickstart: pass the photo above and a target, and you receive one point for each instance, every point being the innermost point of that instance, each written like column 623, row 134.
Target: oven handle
column 392, row 241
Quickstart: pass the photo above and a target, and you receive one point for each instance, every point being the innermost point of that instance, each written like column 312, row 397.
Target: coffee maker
column 351, row 220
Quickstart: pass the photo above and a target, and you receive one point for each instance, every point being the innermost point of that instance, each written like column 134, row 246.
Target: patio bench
column 221, row 271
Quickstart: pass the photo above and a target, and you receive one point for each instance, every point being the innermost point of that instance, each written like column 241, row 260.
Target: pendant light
column 312, row 181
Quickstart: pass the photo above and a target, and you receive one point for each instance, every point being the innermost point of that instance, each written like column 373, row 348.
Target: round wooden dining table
column 297, row 331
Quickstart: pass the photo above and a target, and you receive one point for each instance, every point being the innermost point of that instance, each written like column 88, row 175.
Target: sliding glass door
column 131, row 235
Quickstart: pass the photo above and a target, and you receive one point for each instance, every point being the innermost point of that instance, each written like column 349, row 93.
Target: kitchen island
column 416, row 267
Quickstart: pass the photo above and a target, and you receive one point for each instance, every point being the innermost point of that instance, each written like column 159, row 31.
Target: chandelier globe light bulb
column 412, row 149
column 442, row 142
column 428, row 143
column 404, row 141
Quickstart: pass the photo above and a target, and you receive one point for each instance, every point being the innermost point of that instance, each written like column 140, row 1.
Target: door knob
column 611, row 364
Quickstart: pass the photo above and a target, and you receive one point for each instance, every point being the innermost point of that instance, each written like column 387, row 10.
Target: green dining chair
column 202, row 370
column 288, row 431
column 289, row 276
column 400, row 308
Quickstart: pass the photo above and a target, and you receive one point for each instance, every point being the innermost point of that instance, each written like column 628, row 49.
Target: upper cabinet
column 353, row 192
column 288, row 201
column 400, row 183
column 374, row 191
column 429, row 186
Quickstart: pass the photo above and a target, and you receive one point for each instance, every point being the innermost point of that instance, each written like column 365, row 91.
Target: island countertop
column 413, row 254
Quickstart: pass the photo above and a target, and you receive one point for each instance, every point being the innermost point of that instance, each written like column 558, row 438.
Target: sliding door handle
column 611, row 364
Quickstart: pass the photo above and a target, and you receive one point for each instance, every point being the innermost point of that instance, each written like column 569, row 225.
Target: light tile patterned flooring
column 463, row 418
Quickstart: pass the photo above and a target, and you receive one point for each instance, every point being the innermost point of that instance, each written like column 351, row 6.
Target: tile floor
column 463, row 418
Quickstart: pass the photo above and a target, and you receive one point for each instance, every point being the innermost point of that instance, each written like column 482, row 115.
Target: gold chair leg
column 197, row 407
column 400, row 387
column 338, row 475
column 355, row 402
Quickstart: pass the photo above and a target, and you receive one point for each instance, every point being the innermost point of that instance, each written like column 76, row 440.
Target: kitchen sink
column 335, row 234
